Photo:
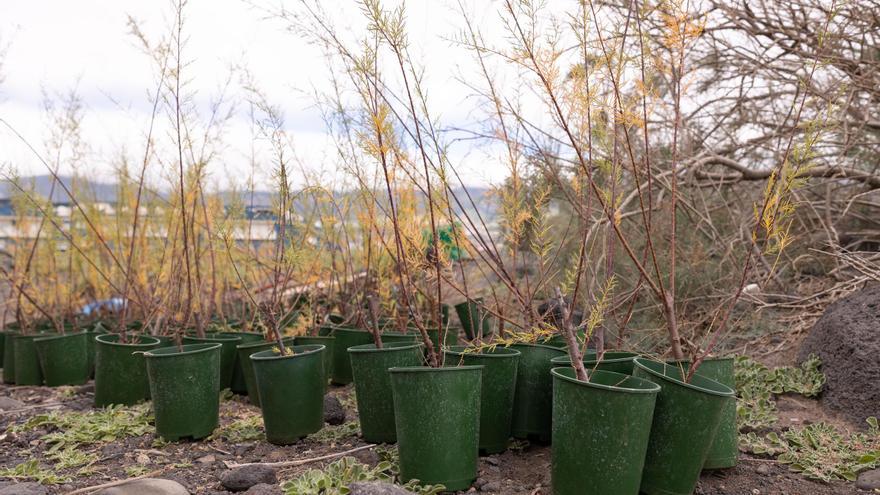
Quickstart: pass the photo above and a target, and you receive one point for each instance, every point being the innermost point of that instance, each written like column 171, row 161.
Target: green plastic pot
column 600, row 432
column 2, row 348
column 120, row 371
column 238, row 385
column 725, row 447
column 496, row 395
column 614, row 361
column 244, row 355
column 686, row 419
column 184, row 385
column 227, row 353
column 291, row 392
column 372, row 385
column 64, row 359
column 329, row 343
column 9, row 356
column 400, row 337
column 449, row 336
column 437, row 413
column 345, row 338
column 532, row 403
column 471, row 315
column 27, row 364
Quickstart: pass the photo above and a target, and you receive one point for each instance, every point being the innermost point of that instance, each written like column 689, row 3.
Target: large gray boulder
column 847, row 340
column 146, row 486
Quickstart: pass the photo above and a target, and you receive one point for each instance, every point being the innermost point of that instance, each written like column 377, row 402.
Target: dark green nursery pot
column 244, row 355
column 329, row 343
column 600, row 432
column 473, row 318
column 372, row 385
column 27, row 363
column 437, row 413
column 9, row 356
column 64, row 359
column 291, row 392
column 228, row 355
column 238, row 385
column 120, row 371
column 534, row 392
column 185, row 385
column 614, row 361
column 497, row 392
column 345, row 338
column 725, row 448
column 686, row 419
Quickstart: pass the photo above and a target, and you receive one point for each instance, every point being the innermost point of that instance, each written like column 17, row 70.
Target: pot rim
column 248, row 345
column 321, row 337
column 543, row 346
column 387, row 346
column 444, row 369
column 234, row 333
column 566, row 359
column 59, row 336
column 188, row 349
column 717, row 388
column 102, row 338
column 35, row 336
column 713, row 358
column 335, row 328
column 218, row 337
column 312, row 349
column 506, row 352
column 558, row 373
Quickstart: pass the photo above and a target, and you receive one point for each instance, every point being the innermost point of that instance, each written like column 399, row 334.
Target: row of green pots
column 48, row 358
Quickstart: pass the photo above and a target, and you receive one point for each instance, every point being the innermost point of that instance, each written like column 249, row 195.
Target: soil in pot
column 532, row 403
column 437, row 413
column 238, row 385
column 120, row 371
column 329, row 343
column 184, row 386
column 614, row 361
column 686, row 419
column 496, row 394
column 227, row 353
column 725, row 446
column 345, row 338
column 64, row 359
column 600, row 432
column 291, row 392
column 9, row 356
column 372, row 384
column 27, row 364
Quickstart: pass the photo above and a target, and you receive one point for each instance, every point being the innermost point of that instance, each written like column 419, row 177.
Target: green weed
column 332, row 434
column 819, row 451
column 335, row 478
column 756, row 385
column 31, row 470
column 242, row 430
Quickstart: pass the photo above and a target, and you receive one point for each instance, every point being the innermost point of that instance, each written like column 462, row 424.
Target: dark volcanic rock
column 334, row 413
column 847, row 340
column 240, row 479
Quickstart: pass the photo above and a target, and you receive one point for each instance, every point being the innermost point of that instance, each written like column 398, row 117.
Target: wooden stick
column 299, row 462
column 115, row 483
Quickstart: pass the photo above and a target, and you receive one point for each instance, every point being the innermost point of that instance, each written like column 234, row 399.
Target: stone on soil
column 24, row 489
column 376, row 488
column 146, row 486
column 9, row 404
column 242, row 478
column 334, row 413
column 869, row 480
column 847, row 340
column 264, row 489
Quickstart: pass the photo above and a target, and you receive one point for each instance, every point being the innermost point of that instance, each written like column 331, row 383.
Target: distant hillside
column 103, row 192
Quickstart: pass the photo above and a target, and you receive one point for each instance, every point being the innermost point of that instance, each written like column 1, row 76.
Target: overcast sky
column 56, row 45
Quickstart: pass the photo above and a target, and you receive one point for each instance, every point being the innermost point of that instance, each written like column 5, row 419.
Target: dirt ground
column 198, row 465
